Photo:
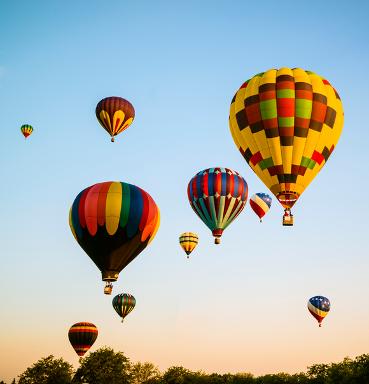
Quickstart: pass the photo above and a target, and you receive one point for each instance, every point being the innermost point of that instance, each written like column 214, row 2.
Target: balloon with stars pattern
column 260, row 203
column 319, row 307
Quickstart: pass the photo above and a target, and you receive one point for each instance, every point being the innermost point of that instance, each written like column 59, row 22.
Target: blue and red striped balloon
column 217, row 195
column 260, row 204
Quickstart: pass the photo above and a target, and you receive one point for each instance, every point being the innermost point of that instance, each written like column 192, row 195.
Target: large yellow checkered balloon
column 286, row 123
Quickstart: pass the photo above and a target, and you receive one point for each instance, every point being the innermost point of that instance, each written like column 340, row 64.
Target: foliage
column 108, row 367
column 144, row 373
column 104, row 367
column 47, row 370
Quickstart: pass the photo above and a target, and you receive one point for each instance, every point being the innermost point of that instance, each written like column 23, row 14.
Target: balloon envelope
column 217, row 195
column 113, row 222
column 319, row 307
column 123, row 304
column 286, row 123
column 260, row 204
column 115, row 114
column 188, row 241
column 26, row 130
column 82, row 336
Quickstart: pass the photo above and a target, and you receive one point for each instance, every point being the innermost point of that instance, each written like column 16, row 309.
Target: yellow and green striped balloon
column 26, row 130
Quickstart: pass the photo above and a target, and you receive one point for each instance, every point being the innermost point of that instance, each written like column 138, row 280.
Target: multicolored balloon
column 123, row 304
column 319, row 307
column 82, row 336
column 217, row 195
column 26, row 130
column 188, row 241
column 115, row 114
column 286, row 124
column 260, row 204
column 113, row 222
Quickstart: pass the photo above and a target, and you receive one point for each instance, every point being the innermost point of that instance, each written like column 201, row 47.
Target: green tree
column 104, row 367
column 180, row 375
column 47, row 370
column 318, row 373
column 144, row 373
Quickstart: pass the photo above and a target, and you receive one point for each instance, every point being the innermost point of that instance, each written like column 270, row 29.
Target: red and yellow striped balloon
column 82, row 336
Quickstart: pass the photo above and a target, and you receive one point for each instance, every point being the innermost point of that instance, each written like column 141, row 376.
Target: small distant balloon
column 319, row 307
column 123, row 304
column 260, row 204
column 82, row 336
column 115, row 114
column 26, row 130
column 188, row 241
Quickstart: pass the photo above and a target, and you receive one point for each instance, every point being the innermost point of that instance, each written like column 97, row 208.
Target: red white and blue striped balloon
column 260, row 204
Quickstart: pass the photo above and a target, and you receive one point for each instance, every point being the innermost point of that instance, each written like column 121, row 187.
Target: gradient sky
column 240, row 306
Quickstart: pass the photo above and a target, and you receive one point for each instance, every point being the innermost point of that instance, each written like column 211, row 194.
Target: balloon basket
column 217, row 240
column 112, row 140
column 108, row 288
column 287, row 218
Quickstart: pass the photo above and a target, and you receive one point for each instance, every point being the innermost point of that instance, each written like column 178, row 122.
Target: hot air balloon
column 26, row 130
column 286, row 123
column 82, row 336
column 319, row 307
column 260, row 204
column 217, row 195
column 123, row 304
column 113, row 222
column 188, row 241
column 115, row 114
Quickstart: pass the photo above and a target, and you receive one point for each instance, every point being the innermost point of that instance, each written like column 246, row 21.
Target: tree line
column 105, row 366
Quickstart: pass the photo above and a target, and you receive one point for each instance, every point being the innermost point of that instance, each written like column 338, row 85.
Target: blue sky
column 237, row 307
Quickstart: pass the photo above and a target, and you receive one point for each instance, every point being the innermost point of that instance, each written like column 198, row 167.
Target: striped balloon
column 115, row 114
column 82, row 336
column 123, row 304
column 319, row 307
column 113, row 222
column 260, row 204
column 26, row 130
column 217, row 195
column 188, row 241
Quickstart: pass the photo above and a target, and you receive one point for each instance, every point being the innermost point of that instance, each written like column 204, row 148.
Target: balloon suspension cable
column 217, row 240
